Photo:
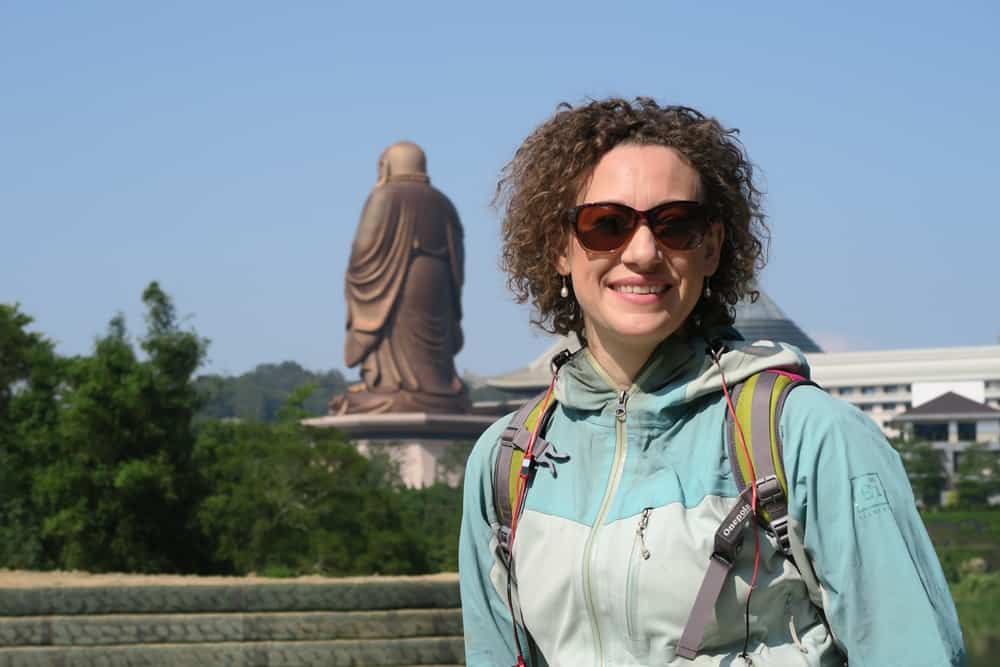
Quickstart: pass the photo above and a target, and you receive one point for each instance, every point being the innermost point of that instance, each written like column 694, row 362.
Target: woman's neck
column 621, row 360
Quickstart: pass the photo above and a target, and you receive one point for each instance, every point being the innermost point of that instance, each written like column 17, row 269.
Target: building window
column 890, row 389
column 889, row 407
column 867, row 391
column 967, row 431
column 933, row 431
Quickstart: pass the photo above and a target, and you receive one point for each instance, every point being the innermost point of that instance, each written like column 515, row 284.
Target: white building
column 888, row 383
column 952, row 423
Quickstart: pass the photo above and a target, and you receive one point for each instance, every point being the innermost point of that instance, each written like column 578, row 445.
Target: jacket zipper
column 588, row 552
column 639, row 554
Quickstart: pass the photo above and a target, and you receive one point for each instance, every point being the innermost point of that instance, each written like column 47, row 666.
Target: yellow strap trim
column 534, row 415
column 743, row 414
column 515, row 468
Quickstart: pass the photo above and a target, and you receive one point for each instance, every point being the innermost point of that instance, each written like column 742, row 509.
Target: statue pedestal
column 416, row 441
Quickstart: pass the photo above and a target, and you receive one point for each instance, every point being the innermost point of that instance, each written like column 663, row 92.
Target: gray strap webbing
column 760, row 424
column 728, row 540
column 704, row 606
column 501, row 488
column 774, row 503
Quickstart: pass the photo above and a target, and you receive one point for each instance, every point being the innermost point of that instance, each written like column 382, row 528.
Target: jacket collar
column 679, row 370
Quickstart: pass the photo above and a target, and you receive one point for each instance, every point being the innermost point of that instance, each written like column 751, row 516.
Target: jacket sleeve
column 884, row 592
column 489, row 640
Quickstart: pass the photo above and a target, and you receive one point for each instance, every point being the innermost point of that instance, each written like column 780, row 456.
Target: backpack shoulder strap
column 512, row 445
column 758, row 402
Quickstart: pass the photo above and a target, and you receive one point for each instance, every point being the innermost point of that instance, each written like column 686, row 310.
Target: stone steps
column 110, row 629
column 327, row 595
column 346, row 653
column 379, row 621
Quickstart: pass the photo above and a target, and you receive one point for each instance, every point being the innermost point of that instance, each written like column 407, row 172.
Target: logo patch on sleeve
column 868, row 494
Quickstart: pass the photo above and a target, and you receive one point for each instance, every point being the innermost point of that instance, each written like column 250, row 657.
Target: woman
column 638, row 227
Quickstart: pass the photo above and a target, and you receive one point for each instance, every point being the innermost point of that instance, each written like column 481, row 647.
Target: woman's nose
column 642, row 249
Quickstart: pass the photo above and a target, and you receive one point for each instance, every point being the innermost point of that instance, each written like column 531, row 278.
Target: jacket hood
column 679, row 371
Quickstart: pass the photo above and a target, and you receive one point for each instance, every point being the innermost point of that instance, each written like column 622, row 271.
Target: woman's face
column 635, row 298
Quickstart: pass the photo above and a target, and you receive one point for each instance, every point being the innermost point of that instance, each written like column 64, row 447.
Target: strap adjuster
column 780, row 528
column 769, row 490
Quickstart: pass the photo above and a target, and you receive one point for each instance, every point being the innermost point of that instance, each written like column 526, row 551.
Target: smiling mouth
column 640, row 289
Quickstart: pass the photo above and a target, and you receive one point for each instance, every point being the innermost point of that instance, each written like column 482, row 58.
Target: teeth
column 640, row 289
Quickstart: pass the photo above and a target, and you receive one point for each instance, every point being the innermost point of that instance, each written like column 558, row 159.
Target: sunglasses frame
column 643, row 217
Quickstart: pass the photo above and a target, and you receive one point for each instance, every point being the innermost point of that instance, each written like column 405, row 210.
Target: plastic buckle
column 768, row 489
column 780, row 528
column 503, row 537
column 508, row 434
column 559, row 360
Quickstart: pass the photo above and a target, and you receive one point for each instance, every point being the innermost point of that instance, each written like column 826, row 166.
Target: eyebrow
column 655, row 206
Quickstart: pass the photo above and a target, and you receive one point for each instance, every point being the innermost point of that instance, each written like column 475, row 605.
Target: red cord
column 753, row 501
column 522, row 476
column 521, row 493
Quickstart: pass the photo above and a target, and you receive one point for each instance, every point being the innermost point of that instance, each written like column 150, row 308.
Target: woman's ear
column 563, row 261
column 713, row 247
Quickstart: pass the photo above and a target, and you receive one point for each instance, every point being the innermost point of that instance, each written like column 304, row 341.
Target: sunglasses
column 608, row 227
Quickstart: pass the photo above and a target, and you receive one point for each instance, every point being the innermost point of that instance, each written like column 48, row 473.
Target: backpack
column 758, row 402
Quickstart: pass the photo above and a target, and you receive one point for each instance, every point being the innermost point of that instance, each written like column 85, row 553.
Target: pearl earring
column 564, row 292
column 708, row 290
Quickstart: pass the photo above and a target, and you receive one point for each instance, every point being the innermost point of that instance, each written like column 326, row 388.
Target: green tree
column 436, row 513
column 287, row 500
column 118, row 489
column 924, row 467
column 978, row 475
column 31, row 375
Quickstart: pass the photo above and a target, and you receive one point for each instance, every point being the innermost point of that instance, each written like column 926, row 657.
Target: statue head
column 403, row 161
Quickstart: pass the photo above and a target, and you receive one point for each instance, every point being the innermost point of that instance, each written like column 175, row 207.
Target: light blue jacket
column 587, row 595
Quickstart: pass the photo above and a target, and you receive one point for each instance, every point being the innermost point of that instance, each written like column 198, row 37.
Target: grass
column 960, row 535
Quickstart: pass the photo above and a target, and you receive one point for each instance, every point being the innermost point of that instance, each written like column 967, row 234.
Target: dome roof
column 763, row 320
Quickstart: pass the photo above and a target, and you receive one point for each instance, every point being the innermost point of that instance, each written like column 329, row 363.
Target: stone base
column 417, row 461
column 416, row 441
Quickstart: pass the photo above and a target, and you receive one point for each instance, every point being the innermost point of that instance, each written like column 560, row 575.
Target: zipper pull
column 620, row 410
column 641, row 532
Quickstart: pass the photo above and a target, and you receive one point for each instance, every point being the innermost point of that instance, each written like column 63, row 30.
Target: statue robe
column 403, row 290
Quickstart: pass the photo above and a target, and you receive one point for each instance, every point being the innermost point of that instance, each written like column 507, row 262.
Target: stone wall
column 188, row 621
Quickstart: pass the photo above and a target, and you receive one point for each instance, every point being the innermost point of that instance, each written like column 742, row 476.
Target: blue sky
column 226, row 149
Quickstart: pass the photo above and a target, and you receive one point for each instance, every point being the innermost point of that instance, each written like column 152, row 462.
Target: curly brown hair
column 543, row 180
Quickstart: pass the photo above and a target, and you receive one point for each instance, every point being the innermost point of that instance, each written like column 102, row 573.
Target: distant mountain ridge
column 259, row 394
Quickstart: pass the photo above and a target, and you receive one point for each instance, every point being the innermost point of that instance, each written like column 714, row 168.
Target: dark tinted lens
column 679, row 226
column 604, row 227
